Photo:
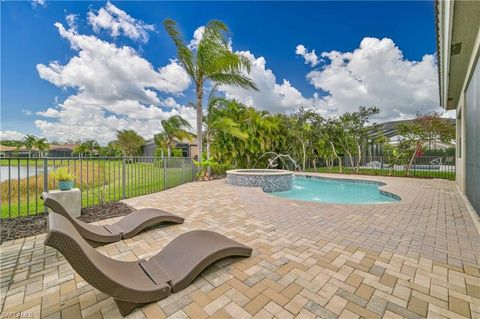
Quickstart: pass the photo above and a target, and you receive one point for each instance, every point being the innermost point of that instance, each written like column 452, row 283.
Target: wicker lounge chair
column 133, row 284
column 127, row 227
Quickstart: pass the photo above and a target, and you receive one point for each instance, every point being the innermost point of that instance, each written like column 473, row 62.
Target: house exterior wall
column 472, row 139
column 468, row 105
column 468, row 130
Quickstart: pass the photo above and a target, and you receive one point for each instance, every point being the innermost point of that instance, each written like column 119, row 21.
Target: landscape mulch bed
column 13, row 228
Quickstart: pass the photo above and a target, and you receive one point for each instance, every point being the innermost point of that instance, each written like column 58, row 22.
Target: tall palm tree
column 175, row 127
column 29, row 143
column 211, row 61
column 42, row 146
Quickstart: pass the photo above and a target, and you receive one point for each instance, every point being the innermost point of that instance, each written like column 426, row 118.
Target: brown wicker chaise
column 127, row 227
column 136, row 283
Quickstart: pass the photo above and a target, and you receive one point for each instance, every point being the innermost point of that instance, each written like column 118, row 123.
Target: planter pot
column 65, row 185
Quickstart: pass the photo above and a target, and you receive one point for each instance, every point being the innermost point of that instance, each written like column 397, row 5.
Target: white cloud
column 118, row 22
column 11, row 135
column 72, row 21
column 115, row 89
column 39, row 3
column 197, row 36
column 309, row 57
column 377, row 74
column 271, row 96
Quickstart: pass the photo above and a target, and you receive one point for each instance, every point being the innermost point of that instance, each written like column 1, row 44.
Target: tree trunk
column 417, row 147
column 304, row 155
column 199, row 118
column 359, row 148
column 351, row 160
column 209, row 168
column 169, row 151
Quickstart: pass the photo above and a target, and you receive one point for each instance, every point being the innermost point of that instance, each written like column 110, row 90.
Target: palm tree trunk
column 199, row 118
column 209, row 168
column 169, row 152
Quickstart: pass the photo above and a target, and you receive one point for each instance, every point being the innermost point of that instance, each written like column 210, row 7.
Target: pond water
column 24, row 171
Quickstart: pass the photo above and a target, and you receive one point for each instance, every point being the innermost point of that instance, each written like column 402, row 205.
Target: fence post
column 183, row 164
column 45, row 180
column 164, row 173
column 124, row 178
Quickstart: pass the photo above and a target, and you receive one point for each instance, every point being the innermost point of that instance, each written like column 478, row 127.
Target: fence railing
column 422, row 166
column 100, row 179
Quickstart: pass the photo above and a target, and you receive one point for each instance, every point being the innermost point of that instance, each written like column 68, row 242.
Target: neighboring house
column 189, row 149
column 62, row 150
column 11, row 151
column 7, row 151
column 390, row 130
column 458, row 51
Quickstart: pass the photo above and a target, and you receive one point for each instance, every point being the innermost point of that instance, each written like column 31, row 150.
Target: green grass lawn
column 104, row 181
column 386, row 172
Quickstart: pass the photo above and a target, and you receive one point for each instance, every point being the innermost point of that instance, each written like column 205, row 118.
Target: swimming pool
column 337, row 191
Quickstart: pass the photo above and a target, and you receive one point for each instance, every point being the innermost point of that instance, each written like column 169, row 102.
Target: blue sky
column 398, row 47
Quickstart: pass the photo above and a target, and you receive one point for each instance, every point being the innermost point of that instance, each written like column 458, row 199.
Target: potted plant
column 64, row 177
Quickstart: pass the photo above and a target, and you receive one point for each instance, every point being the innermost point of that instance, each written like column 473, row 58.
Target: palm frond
column 184, row 54
column 235, row 79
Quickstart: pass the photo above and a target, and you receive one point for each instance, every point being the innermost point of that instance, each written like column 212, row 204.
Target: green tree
column 175, row 127
column 425, row 129
column 217, row 123
column 112, row 149
column 394, row 154
column 87, row 148
column 301, row 132
column 330, row 133
column 129, row 142
column 356, row 133
column 29, row 143
column 234, row 150
column 211, row 61
column 42, row 146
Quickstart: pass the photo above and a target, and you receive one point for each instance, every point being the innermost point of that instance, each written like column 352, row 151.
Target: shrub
column 62, row 174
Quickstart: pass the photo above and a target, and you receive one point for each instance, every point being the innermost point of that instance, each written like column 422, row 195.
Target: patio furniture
column 127, row 227
column 136, row 283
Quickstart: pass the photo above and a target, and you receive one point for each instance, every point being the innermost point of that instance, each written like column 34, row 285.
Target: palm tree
column 216, row 122
column 211, row 61
column 29, row 142
column 42, row 146
column 176, row 127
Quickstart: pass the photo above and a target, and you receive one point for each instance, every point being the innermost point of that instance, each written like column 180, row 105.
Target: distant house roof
column 184, row 141
column 63, row 147
column 389, row 129
column 4, row 148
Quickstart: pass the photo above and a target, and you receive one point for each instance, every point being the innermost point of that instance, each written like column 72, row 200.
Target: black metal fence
column 100, row 179
column 422, row 166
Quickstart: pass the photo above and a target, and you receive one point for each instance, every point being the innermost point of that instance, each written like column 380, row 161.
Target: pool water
column 335, row 191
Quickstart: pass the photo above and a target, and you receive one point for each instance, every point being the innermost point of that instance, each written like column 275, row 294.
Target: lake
column 23, row 172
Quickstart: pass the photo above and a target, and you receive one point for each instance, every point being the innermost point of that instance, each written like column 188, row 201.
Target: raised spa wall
column 270, row 180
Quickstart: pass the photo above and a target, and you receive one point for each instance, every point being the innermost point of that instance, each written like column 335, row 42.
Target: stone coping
column 259, row 172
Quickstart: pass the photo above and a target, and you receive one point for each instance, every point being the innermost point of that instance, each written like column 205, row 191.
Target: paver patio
column 416, row 258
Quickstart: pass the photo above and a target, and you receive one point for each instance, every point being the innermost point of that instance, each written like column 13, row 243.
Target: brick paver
column 416, row 258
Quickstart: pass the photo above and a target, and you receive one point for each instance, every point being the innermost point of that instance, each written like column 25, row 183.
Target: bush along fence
column 100, row 179
column 420, row 167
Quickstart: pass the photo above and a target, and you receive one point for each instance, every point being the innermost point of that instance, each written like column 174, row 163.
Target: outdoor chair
column 127, row 227
column 135, row 283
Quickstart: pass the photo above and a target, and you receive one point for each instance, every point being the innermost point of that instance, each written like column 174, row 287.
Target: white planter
column 70, row 199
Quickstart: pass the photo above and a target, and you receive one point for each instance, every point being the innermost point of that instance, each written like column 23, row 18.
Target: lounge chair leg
column 126, row 307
